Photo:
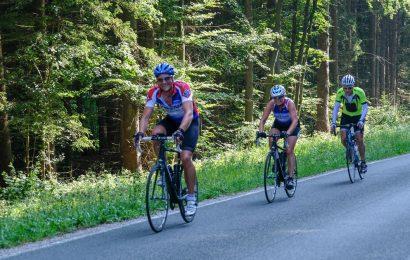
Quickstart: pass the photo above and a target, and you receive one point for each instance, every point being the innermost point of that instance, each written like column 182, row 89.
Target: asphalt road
column 329, row 218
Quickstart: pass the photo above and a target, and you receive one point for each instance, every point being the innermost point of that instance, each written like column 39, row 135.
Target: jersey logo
column 186, row 93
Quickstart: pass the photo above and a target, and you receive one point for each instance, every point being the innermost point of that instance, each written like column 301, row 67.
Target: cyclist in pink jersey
column 181, row 121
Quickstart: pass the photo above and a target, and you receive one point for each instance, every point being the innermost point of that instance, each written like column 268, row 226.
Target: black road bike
column 352, row 153
column 275, row 168
column 166, row 185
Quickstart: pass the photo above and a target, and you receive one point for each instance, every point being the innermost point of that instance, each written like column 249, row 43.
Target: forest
column 74, row 73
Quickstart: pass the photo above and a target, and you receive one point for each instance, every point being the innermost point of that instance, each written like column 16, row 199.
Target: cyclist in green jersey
column 355, row 107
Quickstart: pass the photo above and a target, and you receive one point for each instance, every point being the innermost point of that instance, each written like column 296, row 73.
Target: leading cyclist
column 182, row 121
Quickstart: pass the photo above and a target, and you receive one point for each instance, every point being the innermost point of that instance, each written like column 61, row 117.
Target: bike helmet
column 348, row 80
column 277, row 91
column 163, row 68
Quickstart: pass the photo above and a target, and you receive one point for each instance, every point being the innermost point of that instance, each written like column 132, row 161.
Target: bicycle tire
column 358, row 166
column 182, row 191
column 291, row 193
column 270, row 177
column 350, row 164
column 156, row 200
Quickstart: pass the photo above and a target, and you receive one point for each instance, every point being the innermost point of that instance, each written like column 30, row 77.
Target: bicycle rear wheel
column 182, row 192
column 156, row 200
column 350, row 163
column 270, row 177
column 291, row 192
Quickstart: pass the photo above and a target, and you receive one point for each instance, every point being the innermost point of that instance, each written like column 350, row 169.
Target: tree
column 334, row 39
column 274, row 61
column 5, row 143
column 373, row 76
column 322, row 123
column 249, row 70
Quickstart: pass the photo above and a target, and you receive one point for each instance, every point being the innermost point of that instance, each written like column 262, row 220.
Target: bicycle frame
column 350, row 139
column 162, row 165
column 276, row 150
column 352, row 153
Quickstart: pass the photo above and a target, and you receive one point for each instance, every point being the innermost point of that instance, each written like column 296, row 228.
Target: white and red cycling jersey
column 181, row 92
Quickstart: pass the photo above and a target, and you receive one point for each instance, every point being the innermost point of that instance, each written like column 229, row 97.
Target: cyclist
column 354, row 111
column 182, row 121
column 286, row 119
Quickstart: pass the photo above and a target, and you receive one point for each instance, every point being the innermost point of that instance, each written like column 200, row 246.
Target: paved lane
column 329, row 218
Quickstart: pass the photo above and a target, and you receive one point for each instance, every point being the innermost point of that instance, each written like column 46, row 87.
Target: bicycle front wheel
column 182, row 192
column 350, row 163
column 270, row 177
column 156, row 200
column 291, row 192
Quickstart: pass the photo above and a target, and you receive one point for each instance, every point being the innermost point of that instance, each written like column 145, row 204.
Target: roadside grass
column 54, row 208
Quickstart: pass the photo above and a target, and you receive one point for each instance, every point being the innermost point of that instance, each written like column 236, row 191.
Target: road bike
column 166, row 185
column 352, row 153
column 275, row 171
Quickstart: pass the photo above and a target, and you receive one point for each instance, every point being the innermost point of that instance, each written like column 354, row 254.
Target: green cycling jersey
column 352, row 105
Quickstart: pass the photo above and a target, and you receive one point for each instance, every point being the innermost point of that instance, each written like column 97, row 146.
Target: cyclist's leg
column 344, row 121
column 274, row 130
column 290, row 151
column 360, row 144
column 188, row 146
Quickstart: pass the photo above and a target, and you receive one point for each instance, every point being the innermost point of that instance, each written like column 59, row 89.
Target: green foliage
column 388, row 115
column 20, row 186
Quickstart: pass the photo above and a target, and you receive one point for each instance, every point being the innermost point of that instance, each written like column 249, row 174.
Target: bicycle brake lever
column 178, row 148
column 138, row 149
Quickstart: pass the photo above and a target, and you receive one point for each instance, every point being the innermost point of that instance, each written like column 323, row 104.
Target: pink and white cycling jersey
column 181, row 92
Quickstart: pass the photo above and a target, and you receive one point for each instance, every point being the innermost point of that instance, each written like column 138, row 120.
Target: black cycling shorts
column 345, row 120
column 190, row 135
column 282, row 128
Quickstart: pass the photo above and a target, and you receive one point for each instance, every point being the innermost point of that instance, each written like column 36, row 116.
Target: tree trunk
column 297, row 92
column 5, row 143
column 41, row 22
column 274, row 63
column 393, row 58
column 249, row 71
column 303, row 53
column 374, row 54
column 181, row 30
column 382, row 54
column 294, row 32
column 334, row 46
column 128, row 119
column 322, row 123
column 387, row 56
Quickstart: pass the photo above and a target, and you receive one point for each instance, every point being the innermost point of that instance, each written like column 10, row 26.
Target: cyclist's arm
column 335, row 112
column 365, row 108
column 265, row 115
column 146, row 114
column 293, row 116
column 188, row 115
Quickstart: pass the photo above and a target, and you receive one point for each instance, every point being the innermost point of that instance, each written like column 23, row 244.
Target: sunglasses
column 160, row 80
column 277, row 98
column 347, row 87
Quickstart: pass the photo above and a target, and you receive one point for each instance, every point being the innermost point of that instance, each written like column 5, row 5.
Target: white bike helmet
column 277, row 91
column 348, row 80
